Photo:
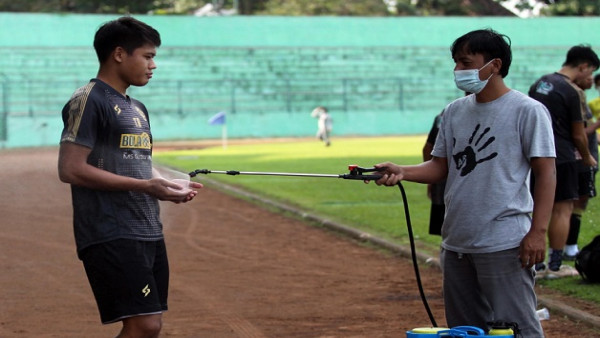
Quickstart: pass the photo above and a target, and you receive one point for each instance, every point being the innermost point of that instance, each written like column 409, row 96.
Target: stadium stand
column 387, row 86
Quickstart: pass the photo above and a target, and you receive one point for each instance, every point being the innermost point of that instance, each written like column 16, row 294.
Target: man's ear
column 497, row 63
column 582, row 67
column 119, row 54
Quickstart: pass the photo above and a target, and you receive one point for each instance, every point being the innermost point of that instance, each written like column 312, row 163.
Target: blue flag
column 217, row 119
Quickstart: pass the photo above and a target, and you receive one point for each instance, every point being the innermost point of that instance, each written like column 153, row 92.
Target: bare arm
column 431, row 171
column 74, row 169
column 533, row 245
column 581, row 143
column 590, row 130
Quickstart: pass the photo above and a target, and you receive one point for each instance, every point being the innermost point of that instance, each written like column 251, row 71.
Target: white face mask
column 468, row 80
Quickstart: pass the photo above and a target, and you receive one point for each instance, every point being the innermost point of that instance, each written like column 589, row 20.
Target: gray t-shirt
column 488, row 147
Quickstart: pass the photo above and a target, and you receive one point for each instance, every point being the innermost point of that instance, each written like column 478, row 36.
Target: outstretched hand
column 193, row 186
column 176, row 192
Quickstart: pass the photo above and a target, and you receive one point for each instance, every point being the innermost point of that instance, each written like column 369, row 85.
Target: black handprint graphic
column 467, row 159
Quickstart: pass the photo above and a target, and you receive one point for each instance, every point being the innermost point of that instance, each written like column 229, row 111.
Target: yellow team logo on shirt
column 136, row 141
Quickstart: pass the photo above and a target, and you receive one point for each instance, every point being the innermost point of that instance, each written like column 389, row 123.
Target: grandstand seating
column 246, row 80
column 406, row 78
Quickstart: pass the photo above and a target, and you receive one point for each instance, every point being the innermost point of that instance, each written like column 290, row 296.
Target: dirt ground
column 236, row 270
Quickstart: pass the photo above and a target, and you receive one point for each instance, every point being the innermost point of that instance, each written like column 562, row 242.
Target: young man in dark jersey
column 106, row 156
column 558, row 92
column 587, row 175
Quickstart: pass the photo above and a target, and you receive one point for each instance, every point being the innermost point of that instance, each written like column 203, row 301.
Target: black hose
column 413, row 251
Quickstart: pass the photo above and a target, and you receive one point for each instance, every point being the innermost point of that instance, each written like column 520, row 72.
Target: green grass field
column 374, row 209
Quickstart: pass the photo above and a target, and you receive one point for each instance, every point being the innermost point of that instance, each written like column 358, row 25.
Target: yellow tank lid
column 501, row 332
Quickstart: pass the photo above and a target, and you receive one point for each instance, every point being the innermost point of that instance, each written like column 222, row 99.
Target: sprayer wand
column 356, row 173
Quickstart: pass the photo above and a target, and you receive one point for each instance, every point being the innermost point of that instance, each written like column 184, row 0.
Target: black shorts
column 567, row 187
column 128, row 277
column 587, row 181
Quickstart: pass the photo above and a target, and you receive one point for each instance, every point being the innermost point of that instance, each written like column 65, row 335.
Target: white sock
column 571, row 249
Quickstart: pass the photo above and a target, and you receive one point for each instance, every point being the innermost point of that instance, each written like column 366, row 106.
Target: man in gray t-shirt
column 494, row 232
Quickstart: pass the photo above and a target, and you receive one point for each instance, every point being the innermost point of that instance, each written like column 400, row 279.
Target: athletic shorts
column 567, row 185
column 587, row 180
column 128, row 277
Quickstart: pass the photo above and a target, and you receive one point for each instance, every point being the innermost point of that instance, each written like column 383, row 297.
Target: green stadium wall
column 378, row 76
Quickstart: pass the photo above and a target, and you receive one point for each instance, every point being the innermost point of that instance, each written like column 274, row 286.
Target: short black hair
column 125, row 32
column 487, row 42
column 596, row 78
column 580, row 54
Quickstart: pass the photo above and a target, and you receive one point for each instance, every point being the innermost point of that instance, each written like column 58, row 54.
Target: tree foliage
column 433, row 8
column 562, row 7
column 574, row 8
column 326, row 7
column 303, row 7
column 78, row 6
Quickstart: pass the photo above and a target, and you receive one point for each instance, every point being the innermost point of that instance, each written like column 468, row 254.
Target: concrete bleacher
column 258, row 79
column 262, row 79
column 269, row 83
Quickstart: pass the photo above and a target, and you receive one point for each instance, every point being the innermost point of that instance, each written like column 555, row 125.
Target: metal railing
column 182, row 97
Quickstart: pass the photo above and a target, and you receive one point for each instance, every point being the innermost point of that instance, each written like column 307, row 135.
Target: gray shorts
column 489, row 287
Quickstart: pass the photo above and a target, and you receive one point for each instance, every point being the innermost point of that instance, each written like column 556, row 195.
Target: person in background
column 558, row 92
column 587, row 175
column 435, row 191
column 324, row 124
column 594, row 104
column 494, row 231
column 106, row 156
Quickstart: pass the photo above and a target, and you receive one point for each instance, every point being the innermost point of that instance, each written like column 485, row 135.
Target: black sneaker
column 555, row 260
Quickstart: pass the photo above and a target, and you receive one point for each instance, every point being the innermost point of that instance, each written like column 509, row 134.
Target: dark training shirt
column 117, row 129
column 560, row 96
